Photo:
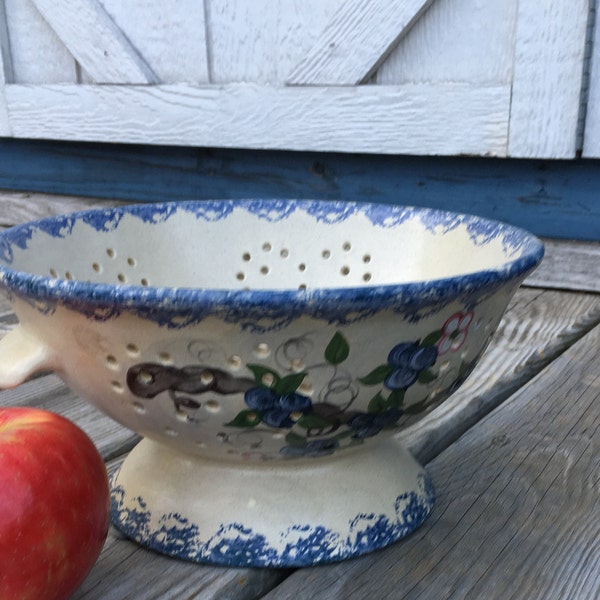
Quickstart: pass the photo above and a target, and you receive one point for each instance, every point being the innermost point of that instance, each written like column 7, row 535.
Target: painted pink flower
column 454, row 332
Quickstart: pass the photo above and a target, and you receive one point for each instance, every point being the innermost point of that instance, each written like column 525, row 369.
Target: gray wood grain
column 21, row 207
column 517, row 508
column 569, row 265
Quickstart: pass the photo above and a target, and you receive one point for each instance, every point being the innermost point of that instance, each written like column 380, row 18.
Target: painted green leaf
column 395, row 399
column 264, row 377
column 245, row 418
column 337, row 350
column 293, row 439
column 377, row 404
column 313, row 422
column 289, row 384
column 427, row 376
column 432, row 339
column 377, row 375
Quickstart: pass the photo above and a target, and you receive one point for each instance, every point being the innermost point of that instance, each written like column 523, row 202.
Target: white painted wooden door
column 444, row 77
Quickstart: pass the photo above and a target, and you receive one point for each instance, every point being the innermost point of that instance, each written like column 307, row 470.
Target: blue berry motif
column 407, row 360
column 366, row 425
column 276, row 409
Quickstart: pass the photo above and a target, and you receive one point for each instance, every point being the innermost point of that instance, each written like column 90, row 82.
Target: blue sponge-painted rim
column 179, row 307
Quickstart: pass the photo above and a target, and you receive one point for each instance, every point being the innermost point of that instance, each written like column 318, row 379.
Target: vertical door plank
column 455, row 40
column 549, row 54
column 170, row 35
column 6, row 74
column 356, row 41
column 591, row 134
column 95, row 41
column 38, row 55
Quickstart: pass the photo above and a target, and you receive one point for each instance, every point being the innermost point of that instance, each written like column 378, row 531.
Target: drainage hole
column 112, row 362
column 117, row 386
column 262, row 350
column 139, row 408
column 165, row 358
column 212, row 406
column 235, row 361
column 132, row 349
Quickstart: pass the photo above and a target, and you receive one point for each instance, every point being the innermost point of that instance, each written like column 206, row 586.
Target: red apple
column 54, row 505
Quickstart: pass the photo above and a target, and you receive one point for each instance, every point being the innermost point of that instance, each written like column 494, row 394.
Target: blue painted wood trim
column 551, row 198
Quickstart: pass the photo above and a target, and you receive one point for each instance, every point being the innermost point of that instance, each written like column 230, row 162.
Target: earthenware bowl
column 268, row 351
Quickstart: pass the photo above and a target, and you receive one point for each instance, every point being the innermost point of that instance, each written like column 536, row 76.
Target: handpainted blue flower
column 312, row 449
column 408, row 359
column 276, row 409
column 367, row 425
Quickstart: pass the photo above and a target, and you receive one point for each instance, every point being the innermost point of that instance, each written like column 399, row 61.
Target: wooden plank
column 550, row 198
column 449, row 43
column 93, row 38
column 538, row 326
column 447, row 118
column 260, row 41
column 549, row 55
column 6, row 72
column 170, row 35
column 591, row 135
column 356, row 41
column 21, row 207
column 38, row 55
column 517, row 507
column 569, row 265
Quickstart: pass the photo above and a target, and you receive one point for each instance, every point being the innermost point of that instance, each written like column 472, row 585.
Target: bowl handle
column 21, row 355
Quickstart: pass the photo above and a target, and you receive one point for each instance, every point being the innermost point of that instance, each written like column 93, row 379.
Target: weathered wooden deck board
column 518, row 506
column 569, row 265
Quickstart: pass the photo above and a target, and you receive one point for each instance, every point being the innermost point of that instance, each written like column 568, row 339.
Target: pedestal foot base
column 272, row 514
